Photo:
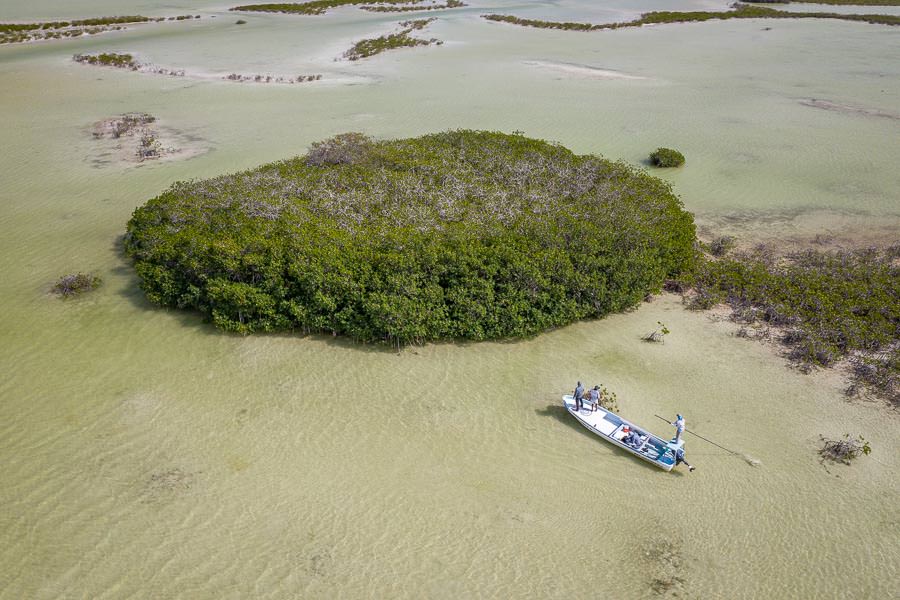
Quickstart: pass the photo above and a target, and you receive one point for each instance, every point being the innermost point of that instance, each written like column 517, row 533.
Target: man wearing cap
column 679, row 427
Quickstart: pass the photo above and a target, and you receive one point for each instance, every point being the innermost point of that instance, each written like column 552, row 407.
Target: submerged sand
column 146, row 453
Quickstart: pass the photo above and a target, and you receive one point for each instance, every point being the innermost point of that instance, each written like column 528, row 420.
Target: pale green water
column 146, row 455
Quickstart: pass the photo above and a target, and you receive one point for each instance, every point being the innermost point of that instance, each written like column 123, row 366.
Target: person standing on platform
column 679, row 428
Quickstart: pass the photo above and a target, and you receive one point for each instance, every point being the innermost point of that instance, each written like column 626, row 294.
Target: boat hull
column 609, row 426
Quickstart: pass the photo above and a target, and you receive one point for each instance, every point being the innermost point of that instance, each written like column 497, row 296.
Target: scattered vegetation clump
column 827, row 306
column 240, row 22
column 666, row 157
column 456, row 235
column 414, row 7
column 75, row 284
column 271, row 78
column 108, row 59
column 316, row 7
column 137, row 126
column 722, row 245
column 402, row 39
column 148, row 147
column 844, row 450
column 608, row 399
column 741, row 11
column 657, row 335
column 28, row 32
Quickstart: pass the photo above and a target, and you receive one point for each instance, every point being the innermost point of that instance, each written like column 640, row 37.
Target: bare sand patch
column 583, row 71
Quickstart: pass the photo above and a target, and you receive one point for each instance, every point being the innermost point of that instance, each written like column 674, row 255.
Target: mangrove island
column 456, row 235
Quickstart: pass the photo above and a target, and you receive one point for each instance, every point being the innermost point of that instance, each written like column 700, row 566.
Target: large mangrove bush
column 463, row 234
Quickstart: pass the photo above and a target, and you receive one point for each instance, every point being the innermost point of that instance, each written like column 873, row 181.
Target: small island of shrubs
column 75, row 284
column 456, row 235
column 666, row 157
column 372, row 46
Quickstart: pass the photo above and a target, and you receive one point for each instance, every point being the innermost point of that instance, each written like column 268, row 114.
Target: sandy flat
column 585, row 71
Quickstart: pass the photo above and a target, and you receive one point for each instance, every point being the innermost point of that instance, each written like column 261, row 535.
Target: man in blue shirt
column 579, row 394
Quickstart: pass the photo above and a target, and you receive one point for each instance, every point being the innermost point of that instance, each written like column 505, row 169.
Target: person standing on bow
column 579, row 394
column 679, row 428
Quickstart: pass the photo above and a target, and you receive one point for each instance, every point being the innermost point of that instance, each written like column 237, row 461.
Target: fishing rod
column 701, row 437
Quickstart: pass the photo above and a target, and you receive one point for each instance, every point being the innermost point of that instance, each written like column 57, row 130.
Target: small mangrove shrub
column 658, row 334
column 108, row 59
column 722, row 245
column 844, row 450
column 608, row 399
column 666, row 157
column 75, row 284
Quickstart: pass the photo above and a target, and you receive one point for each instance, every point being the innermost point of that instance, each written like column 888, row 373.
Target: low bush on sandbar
column 844, row 450
column 108, row 59
column 75, row 284
column 462, row 234
column 666, row 157
column 316, row 7
column 401, row 39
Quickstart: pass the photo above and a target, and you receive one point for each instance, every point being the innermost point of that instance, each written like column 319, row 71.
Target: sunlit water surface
column 147, row 455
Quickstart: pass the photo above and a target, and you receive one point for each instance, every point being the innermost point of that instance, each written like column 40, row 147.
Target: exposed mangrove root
column 75, row 284
column 134, row 125
column 844, row 450
column 127, row 61
column 657, row 335
column 402, row 39
column 124, row 61
column 123, row 125
column 271, row 78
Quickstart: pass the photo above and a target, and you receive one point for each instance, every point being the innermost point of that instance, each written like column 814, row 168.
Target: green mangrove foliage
column 741, row 11
column 414, row 7
column 827, row 306
column 666, row 157
column 316, row 7
column 75, row 284
column 402, row 39
column 11, row 33
column 108, row 59
column 462, row 234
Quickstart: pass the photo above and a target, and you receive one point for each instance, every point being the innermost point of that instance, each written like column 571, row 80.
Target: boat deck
column 610, row 426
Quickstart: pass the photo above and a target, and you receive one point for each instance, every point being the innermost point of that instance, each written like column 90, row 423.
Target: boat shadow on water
column 562, row 415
